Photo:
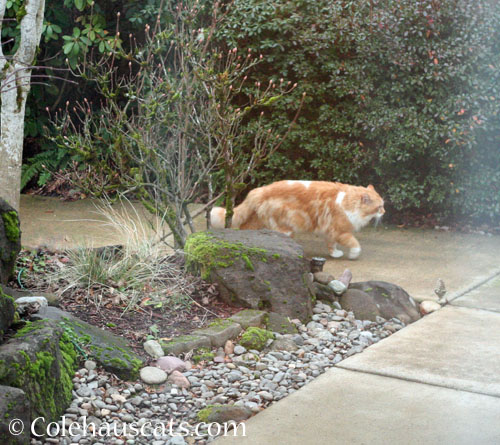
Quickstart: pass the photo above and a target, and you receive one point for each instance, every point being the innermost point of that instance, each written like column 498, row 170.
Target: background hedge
column 400, row 93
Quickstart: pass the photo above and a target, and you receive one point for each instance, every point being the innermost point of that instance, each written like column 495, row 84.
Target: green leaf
column 68, row 47
column 80, row 4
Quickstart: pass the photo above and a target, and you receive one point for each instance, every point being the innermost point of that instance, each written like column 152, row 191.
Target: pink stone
column 170, row 363
column 229, row 347
column 178, row 379
column 346, row 277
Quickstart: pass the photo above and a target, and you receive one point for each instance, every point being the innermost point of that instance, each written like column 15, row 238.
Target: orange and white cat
column 330, row 209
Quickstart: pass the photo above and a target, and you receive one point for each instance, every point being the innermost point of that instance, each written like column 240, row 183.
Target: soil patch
column 103, row 309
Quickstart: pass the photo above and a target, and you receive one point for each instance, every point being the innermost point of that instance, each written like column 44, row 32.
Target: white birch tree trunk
column 15, row 74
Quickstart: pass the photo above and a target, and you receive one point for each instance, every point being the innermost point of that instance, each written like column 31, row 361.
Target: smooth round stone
column 153, row 376
column 238, row 350
column 428, row 306
column 153, row 348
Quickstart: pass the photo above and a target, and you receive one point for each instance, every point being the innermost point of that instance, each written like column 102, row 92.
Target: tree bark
column 15, row 74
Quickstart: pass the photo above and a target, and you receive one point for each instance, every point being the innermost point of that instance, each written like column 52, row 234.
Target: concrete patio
column 435, row 382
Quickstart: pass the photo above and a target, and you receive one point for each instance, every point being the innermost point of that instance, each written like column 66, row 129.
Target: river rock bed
column 250, row 380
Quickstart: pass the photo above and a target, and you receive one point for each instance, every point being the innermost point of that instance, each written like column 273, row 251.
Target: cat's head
column 372, row 204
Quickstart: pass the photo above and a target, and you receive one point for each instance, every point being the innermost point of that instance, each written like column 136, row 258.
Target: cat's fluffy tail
column 217, row 217
column 241, row 214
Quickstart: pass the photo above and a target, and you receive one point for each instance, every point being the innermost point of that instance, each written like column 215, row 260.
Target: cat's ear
column 365, row 199
column 370, row 187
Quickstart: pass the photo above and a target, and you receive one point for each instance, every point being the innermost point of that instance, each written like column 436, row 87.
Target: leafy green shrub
column 401, row 94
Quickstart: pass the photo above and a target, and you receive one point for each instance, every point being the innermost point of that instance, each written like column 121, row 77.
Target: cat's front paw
column 354, row 253
column 335, row 253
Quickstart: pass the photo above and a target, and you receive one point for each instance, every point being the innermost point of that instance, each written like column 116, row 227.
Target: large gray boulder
column 257, row 269
column 110, row 351
column 369, row 299
column 14, row 404
column 10, row 240
column 40, row 360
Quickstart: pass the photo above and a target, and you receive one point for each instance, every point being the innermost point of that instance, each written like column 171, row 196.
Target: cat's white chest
column 358, row 221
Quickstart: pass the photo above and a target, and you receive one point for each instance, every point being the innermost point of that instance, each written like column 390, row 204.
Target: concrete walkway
column 435, row 382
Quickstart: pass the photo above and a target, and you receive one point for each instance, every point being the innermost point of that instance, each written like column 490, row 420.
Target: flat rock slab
column 345, row 407
column 454, row 347
column 219, row 332
column 486, row 296
column 248, row 317
column 186, row 343
column 279, row 323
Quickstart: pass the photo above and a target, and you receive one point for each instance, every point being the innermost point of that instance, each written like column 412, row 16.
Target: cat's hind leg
column 332, row 246
column 348, row 239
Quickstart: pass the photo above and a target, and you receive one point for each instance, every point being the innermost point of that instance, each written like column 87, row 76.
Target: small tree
column 231, row 103
column 171, row 118
column 15, row 74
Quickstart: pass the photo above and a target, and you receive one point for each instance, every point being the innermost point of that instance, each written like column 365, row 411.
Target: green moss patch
column 7, row 311
column 205, row 252
column 255, row 338
column 204, row 413
column 41, row 360
column 203, row 355
column 11, row 225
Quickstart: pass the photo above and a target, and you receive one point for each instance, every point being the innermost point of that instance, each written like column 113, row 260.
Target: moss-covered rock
column 206, row 252
column 255, row 338
column 256, row 269
column 110, row 351
column 14, row 404
column 7, row 311
column 223, row 413
column 40, row 360
column 10, row 240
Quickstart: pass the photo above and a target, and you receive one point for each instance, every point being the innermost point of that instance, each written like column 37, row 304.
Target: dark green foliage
column 401, row 94
column 42, row 165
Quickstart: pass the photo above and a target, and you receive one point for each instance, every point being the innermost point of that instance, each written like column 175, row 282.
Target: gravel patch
column 249, row 379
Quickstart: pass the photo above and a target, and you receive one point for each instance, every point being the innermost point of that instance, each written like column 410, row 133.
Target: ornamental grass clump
column 141, row 271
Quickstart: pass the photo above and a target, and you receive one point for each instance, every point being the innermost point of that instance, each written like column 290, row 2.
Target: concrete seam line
column 475, row 285
column 457, row 306
column 407, row 379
